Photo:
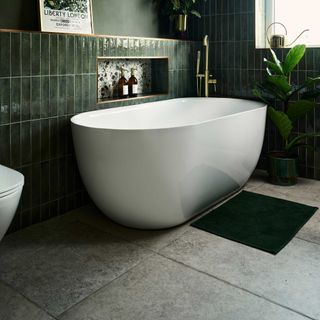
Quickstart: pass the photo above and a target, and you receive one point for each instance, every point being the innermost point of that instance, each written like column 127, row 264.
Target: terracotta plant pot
column 282, row 170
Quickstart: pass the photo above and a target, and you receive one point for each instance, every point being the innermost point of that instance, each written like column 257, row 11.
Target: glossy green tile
column 16, row 54
column 70, row 54
column 5, row 145
column 4, row 100
column 53, row 41
column 70, row 94
column 62, row 54
column 53, row 96
column 15, row 145
column 35, row 97
column 35, row 54
column 45, row 97
column 25, row 98
column 45, row 139
column 15, row 99
column 26, row 53
column 45, row 54
column 4, row 54
column 62, row 97
column 26, row 148
column 36, row 141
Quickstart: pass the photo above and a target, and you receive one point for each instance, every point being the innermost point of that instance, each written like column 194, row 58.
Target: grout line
column 103, row 287
column 26, row 298
column 306, row 240
column 238, row 287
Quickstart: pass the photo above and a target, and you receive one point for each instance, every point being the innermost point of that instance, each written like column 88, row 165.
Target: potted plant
column 287, row 103
column 179, row 10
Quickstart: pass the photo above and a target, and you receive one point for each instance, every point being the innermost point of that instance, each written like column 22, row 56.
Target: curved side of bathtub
column 153, row 179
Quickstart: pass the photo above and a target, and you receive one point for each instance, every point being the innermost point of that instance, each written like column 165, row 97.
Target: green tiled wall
column 44, row 80
column 237, row 65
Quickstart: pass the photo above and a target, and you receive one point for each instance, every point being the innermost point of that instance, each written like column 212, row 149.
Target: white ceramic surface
column 11, row 184
column 156, row 165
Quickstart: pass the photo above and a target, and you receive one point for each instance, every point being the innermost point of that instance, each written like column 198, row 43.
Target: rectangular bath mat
column 256, row 220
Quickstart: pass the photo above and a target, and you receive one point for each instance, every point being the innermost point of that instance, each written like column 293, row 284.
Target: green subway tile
column 26, row 194
column 54, row 179
column 36, row 185
column 53, row 96
column 62, row 177
column 45, row 97
column 70, row 54
column 45, row 139
column 93, row 92
column 35, row 97
column 26, row 53
column 53, row 54
column 62, row 134
column 85, row 54
column 100, row 46
column 15, row 54
column 85, row 92
column 15, row 145
column 78, row 55
column 26, row 151
column 62, row 97
column 62, row 55
column 15, row 99
column 78, row 94
column 36, row 141
column 45, row 183
column 53, row 137
column 110, row 48
column 93, row 55
column 4, row 54
column 45, row 54
column 5, row 145
column 70, row 95
column 4, row 101
column 35, row 54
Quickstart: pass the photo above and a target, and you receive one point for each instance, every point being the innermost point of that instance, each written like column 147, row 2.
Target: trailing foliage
column 296, row 100
column 174, row 7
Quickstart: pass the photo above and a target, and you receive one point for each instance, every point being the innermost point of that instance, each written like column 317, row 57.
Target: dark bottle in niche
column 123, row 85
column 133, row 84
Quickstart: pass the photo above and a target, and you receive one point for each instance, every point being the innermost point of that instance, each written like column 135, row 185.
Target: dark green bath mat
column 256, row 220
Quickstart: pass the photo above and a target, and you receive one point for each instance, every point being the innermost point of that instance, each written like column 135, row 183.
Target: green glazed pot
column 282, row 170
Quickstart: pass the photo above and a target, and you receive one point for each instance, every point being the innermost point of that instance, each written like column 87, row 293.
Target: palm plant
column 295, row 100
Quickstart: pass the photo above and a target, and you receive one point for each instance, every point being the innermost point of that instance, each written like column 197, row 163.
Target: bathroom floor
column 82, row 266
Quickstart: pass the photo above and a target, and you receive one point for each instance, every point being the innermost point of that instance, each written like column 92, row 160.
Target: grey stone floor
column 82, row 266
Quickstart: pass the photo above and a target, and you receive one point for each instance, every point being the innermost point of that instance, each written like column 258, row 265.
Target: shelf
column 151, row 72
column 139, row 96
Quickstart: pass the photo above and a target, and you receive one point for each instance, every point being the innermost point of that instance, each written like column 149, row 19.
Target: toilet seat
column 10, row 181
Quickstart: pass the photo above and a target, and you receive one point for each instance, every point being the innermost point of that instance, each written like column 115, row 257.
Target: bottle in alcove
column 123, row 85
column 133, row 84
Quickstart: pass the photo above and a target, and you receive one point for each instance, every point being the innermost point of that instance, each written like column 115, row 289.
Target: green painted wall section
column 112, row 17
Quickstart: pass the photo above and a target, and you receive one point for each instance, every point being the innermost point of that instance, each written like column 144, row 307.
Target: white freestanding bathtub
column 156, row 165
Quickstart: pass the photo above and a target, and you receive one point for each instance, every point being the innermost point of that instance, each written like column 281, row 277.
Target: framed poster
column 66, row 16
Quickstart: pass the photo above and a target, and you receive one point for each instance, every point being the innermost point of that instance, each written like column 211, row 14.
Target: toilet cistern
column 208, row 78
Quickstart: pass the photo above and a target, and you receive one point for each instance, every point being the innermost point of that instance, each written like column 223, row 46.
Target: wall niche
column 151, row 73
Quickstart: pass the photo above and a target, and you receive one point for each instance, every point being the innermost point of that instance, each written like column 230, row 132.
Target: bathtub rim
column 260, row 105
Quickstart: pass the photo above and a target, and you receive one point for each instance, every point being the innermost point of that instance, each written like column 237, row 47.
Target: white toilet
column 11, row 184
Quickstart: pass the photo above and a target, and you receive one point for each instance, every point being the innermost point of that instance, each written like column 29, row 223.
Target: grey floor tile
column 160, row 289
column 258, row 178
column 77, row 261
column 291, row 278
column 311, row 230
column 150, row 239
column 13, row 306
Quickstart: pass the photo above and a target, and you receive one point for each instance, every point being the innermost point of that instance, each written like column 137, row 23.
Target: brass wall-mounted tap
column 208, row 78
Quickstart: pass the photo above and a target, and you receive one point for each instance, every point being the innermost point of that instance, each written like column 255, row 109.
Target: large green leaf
column 281, row 121
column 296, row 142
column 277, row 62
column 273, row 67
column 299, row 109
column 293, row 58
column 279, row 84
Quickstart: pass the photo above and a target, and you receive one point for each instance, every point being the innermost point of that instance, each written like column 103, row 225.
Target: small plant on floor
column 287, row 103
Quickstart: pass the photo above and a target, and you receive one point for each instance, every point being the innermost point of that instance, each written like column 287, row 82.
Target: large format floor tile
column 76, row 262
column 160, row 289
column 291, row 278
column 149, row 239
column 13, row 306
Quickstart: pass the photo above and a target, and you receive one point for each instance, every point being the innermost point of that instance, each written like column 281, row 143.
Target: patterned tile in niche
column 109, row 75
